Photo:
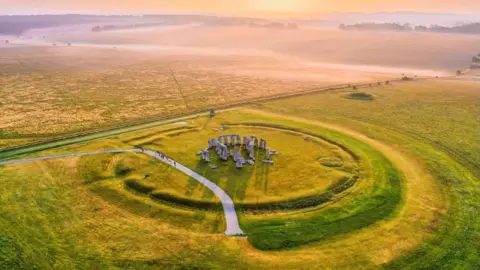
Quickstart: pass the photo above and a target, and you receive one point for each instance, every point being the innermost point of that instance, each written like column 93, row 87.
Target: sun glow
column 280, row 5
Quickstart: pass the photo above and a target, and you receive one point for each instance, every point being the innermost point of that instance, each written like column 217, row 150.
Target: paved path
column 233, row 228
column 464, row 78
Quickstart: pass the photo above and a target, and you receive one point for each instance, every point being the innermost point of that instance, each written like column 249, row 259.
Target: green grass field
column 390, row 182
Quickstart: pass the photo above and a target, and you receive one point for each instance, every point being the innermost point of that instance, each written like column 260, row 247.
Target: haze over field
column 162, row 65
column 423, row 53
column 239, row 134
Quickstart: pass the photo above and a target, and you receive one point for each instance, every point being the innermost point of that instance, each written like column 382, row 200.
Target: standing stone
column 251, row 150
column 205, row 155
column 263, row 144
column 255, row 139
column 220, row 139
column 239, row 164
column 222, row 151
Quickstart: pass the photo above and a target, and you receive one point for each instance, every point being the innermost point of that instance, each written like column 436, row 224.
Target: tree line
column 468, row 28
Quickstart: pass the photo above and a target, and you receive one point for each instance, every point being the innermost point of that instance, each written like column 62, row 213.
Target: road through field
column 233, row 228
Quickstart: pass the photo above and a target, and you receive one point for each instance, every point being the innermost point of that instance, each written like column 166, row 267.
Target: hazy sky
column 234, row 7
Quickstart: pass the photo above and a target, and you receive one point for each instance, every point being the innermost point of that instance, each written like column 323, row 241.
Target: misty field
column 111, row 78
column 43, row 96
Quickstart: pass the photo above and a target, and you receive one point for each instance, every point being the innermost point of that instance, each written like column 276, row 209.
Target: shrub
column 360, row 96
column 121, row 169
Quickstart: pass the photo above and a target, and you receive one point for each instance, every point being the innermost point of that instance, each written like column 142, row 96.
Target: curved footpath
column 233, row 228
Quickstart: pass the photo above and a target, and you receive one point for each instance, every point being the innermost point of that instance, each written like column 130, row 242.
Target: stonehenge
column 250, row 146
column 238, row 158
column 235, row 139
column 222, row 151
column 212, row 143
column 250, row 143
column 204, row 154
column 263, row 144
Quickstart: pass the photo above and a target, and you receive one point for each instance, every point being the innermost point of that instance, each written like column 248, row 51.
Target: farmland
column 412, row 198
column 383, row 176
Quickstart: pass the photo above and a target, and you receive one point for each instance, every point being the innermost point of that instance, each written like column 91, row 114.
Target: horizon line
column 232, row 15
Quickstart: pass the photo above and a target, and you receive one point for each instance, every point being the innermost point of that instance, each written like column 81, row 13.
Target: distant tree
column 421, row 28
column 476, row 59
column 292, row 26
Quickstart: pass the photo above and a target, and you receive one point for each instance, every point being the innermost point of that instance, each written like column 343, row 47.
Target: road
column 233, row 228
column 465, row 78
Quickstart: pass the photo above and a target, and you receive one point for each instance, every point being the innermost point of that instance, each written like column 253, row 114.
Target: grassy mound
column 331, row 162
column 138, row 186
column 291, row 204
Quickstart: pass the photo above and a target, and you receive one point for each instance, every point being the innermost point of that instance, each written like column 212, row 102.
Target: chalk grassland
column 428, row 218
column 438, row 123
column 323, row 167
column 60, row 90
column 56, row 91
column 372, row 214
column 253, row 184
column 443, row 113
column 51, row 219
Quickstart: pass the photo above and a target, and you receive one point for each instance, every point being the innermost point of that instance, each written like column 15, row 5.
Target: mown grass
column 441, row 113
column 237, row 184
column 53, row 219
column 434, row 225
column 437, row 122
column 261, row 183
column 316, row 189
column 377, row 202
